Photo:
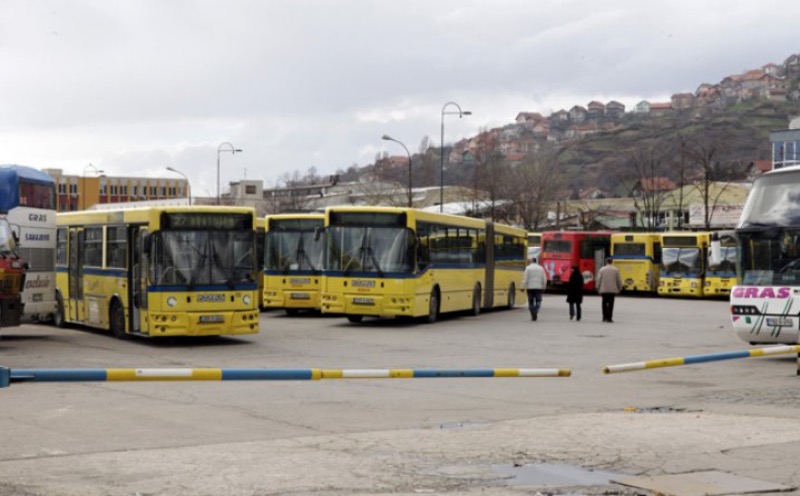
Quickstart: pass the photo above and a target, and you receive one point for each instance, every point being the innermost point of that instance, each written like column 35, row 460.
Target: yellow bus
column 721, row 275
column 158, row 271
column 293, row 261
column 403, row 263
column 638, row 258
column 684, row 259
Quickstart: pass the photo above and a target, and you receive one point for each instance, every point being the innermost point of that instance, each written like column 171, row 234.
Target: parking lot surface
column 402, row 436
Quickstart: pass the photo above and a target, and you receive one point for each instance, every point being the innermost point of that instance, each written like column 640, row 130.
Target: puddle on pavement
column 553, row 474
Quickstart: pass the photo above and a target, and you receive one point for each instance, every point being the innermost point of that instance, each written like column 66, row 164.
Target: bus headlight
column 246, row 299
column 172, row 301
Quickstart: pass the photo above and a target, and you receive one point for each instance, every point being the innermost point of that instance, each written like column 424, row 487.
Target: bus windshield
column 370, row 249
column 293, row 250
column 727, row 264
column 203, row 257
column 773, row 201
column 681, row 260
column 770, row 257
column 8, row 245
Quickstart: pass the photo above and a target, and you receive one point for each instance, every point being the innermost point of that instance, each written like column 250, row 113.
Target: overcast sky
column 135, row 86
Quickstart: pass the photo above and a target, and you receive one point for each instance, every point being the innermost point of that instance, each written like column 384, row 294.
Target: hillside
column 744, row 129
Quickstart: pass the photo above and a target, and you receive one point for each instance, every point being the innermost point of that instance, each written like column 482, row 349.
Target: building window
column 250, row 189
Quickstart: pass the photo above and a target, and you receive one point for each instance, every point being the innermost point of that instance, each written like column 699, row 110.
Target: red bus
column 563, row 249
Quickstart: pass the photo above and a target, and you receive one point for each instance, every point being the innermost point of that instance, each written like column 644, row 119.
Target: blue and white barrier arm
column 691, row 360
column 8, row 376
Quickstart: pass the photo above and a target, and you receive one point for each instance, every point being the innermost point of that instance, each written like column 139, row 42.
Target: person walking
column 609, row 284
column 534, row 281
column 575, row 293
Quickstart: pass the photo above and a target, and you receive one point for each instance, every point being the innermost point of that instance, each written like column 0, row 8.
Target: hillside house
column 577, row 114
column 659, row 109
column 682, row 101
column 595, row 110
column 615, row 109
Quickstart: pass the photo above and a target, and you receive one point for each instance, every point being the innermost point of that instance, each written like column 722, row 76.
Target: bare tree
column 716, row 168
column 644, row 169
column 533, row 186
column 490, row 176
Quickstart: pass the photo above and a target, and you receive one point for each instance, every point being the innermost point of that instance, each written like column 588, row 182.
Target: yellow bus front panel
column 202, row 314
column 718, row 286
column 294, row 292
column 681, row 286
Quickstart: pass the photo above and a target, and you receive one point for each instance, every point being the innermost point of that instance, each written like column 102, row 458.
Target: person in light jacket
column 534, row 281
column 575, row 293
column 609, row 284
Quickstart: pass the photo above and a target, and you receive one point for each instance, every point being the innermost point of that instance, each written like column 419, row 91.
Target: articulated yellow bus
column 721, row 275
column 638, row 258
column 293, row 261
column 402, row 262
column 158, row 271
column 684, row 259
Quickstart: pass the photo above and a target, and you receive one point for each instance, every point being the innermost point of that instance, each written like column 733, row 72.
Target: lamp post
column 83, row 188
column 188, row 186
column 221, row 148
column 461, row 113
column 389, row 138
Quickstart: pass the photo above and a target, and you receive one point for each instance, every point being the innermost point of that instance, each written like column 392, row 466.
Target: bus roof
column 10, row 176
column 139, row 214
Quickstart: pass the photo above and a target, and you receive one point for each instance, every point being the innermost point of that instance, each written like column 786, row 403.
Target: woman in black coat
column 575, row 293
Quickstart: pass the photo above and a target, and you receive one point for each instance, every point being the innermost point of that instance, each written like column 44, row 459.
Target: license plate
column 780, row 321
column 211, row 319
column 300, row 296
column 363, row 301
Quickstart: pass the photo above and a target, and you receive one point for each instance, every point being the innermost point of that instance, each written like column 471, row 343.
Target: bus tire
column 476, row 301
column 355, row 319
column 59, row 319
column 512, row 296
column 116, row 320
column 433, row 307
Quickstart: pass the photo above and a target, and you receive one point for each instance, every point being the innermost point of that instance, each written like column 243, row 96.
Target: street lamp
column 389, row 138
column 188, row 186
column 461, row 113
column 220, row 148
column 97, row 172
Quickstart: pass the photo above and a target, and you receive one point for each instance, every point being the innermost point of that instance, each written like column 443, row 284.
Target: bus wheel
column 116, row 317
column 59, row 320
column 355, row 319
column 512, row 296
column 476, row 300
column 433, row 307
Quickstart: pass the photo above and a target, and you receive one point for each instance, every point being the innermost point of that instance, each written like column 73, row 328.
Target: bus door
column 490, row 268
column 138, row 280
column 600, row 255
column 75, row 271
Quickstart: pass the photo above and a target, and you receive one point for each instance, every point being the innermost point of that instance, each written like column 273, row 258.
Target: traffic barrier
column 8, row 376
column 691, row 360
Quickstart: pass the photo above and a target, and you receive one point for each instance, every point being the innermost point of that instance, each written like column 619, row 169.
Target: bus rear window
column 629, row 249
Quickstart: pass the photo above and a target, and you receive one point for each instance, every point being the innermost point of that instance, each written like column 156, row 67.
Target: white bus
column 765, row 303
column 27, row 197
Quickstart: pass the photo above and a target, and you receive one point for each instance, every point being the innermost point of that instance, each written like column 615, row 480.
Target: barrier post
column 5, row 377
